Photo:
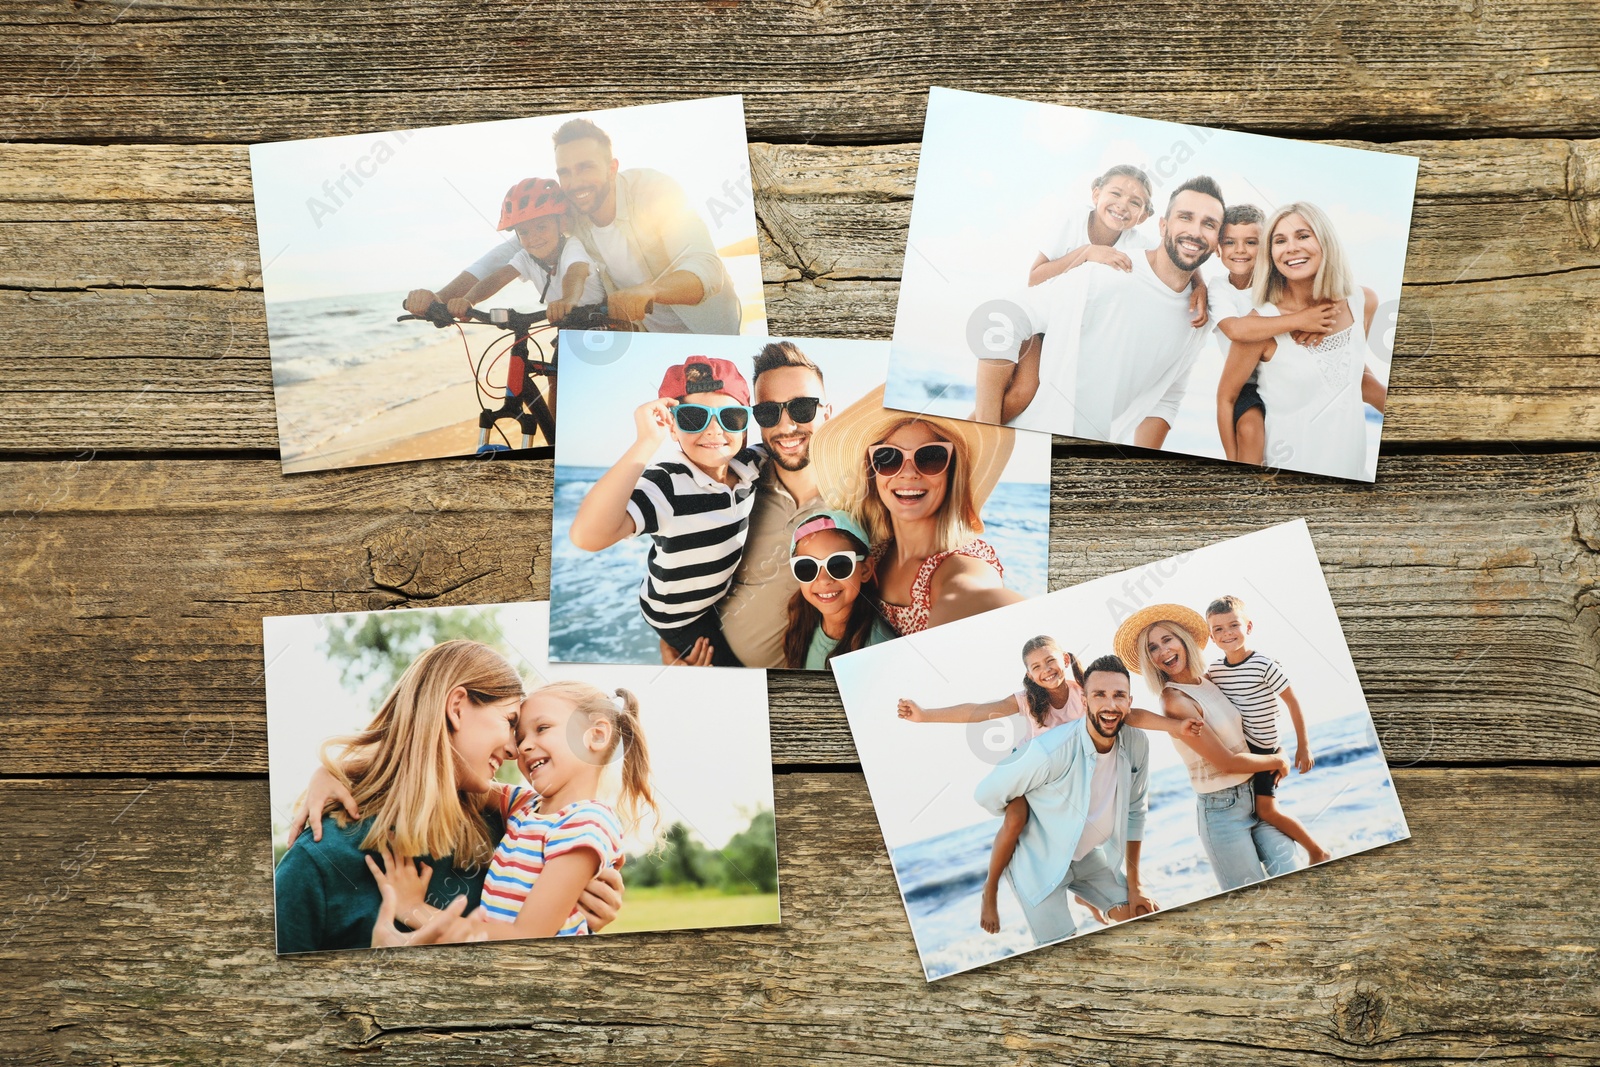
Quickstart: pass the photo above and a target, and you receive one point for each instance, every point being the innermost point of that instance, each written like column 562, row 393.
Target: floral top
column 913, row 617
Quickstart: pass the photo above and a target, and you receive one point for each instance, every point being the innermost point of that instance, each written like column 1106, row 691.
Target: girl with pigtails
column 558, row 834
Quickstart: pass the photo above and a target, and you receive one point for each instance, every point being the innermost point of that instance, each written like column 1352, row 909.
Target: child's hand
column 419, row 300
column 651, row 420
column 1197, row 303
column 557, row 310
column 1109, row 256
column 459, row 307
column 911, row 711
column 322, row 788
column 1303, row 760
column 410, row 886
column 1193, row 727
column 1312, row 324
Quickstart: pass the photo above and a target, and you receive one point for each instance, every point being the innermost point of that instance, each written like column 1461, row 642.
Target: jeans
column 1097, row 878
column 1242, row 849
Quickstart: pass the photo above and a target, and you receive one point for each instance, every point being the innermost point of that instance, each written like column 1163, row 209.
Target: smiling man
column 1117, row 345
column 653, row 253
column 1086, row 785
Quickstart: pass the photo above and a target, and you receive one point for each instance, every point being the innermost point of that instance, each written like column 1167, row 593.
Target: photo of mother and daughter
column 781, row 532
column 412, row 830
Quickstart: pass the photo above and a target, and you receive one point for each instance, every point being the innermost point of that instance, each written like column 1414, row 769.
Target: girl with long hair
column 834, row 610
column 558, row 834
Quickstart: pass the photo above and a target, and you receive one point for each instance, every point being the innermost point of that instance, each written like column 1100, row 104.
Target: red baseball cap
column 704, row 374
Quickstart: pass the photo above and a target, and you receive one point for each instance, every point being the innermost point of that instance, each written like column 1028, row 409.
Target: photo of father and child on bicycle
column 433, row 780
column 749, row 502
column 1146, row 283
column 416, row 281
column 1022, row 789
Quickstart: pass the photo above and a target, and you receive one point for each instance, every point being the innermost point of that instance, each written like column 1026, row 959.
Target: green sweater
column 327, row 899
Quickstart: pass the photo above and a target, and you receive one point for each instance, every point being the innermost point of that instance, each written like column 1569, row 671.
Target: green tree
column 376, row 649
column 750, row 858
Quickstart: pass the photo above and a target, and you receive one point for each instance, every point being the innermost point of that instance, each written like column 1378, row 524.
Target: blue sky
column 428, row 199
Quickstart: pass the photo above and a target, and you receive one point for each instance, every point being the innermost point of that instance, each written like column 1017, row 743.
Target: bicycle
column 523, row 400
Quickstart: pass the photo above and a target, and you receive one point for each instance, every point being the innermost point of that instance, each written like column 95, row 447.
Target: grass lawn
column 676, row 908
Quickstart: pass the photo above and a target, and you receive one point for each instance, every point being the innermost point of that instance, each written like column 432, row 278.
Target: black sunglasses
column 801, row 409
column 930, row 459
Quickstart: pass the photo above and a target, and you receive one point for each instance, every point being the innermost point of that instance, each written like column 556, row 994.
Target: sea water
column 1347, row 802
column 313, row 338
column 594, row 596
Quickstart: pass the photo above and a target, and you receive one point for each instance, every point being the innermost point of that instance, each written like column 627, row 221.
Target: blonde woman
column 418, row 781
column 1313, row 388
column 1165, row 642
column 917, row 485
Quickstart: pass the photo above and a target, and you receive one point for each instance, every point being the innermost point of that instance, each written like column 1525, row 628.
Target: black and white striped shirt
column 1253, row 685
column 699, row 526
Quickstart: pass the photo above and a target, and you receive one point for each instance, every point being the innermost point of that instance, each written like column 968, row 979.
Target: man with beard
column 653, row 253
column 790, row 404
column 1086, row 789
column 1117, row 346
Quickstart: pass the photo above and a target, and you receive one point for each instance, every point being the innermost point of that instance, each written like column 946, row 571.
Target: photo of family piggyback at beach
column 434, row 780
column 1146, row 283
column 416, row 280
column 749, row 501
column 1021, row 788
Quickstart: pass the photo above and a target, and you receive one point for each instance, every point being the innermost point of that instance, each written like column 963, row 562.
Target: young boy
column 695, row 503
column 534, row 208
column 1120, row 199
column 1237, row 247
column 1254, row 683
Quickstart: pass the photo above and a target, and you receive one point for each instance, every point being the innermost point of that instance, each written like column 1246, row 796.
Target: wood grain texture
column 139, row 931
column 129, row 316
column 137, row 588
column 846, row 70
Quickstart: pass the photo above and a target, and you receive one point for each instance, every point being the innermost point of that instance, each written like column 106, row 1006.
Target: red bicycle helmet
column 530, row 199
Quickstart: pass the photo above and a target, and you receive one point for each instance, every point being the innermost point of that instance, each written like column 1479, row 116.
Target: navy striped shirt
column 699, row 527
column 1253, row 685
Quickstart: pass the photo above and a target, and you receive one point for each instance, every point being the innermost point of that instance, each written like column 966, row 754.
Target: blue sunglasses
column 694, row 418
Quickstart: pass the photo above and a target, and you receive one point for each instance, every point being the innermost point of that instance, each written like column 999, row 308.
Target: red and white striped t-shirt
column 532, row 839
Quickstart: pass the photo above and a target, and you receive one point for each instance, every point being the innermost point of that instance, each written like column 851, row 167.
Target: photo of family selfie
column 416, row 280
column 1018, row 776
column 750, row 502
column 435, row 781
column 1146, row 283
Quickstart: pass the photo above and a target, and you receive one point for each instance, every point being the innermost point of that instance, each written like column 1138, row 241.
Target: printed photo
column 416, row 279
column 1024, row 789
column 1147, row 283
column 434, row 780
column 749, row 501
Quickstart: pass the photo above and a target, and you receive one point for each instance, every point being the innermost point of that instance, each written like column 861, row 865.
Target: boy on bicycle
column 534, row 209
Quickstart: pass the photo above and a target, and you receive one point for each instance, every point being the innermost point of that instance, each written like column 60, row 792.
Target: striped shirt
column 532, row 839
column 699, row 527
column 1252, row 685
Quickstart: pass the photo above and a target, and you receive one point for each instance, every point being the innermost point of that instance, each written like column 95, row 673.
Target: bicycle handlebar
column 581, row 317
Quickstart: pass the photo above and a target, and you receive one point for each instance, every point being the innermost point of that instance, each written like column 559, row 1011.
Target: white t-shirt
column 1102, row 822
column 1118, row 349
column 1074, row 233
column 549, row 287
column 1231, row 302
column 627, row 272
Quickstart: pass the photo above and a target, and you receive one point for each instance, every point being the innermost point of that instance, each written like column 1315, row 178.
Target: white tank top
column 1223, row 718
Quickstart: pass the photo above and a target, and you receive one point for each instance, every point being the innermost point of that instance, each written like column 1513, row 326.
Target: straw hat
column 839, row 450
column 1127, row 639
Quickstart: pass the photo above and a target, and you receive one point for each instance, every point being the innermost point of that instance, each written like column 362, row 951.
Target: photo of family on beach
column 416, row 280
column 1019, row 814
column 1147, row 283
column 434, row 780
column 750, row 502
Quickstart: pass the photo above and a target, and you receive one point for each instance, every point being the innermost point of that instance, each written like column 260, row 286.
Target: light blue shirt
column 1054, row 770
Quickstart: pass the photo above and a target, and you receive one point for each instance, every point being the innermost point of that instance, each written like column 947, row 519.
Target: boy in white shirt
column 534, row 209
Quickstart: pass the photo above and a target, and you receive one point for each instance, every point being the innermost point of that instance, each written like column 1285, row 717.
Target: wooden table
column 147, row 530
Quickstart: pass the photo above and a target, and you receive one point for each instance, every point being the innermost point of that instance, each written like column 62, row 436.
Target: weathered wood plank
column 140, row 931
column 845, row 70
column 136, row 589
column 1495, row 341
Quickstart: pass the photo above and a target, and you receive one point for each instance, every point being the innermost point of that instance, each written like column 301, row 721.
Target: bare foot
column 1320, row 855
column 989, row 919
column 1099, row 916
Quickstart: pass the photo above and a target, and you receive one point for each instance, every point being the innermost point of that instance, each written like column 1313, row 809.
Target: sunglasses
column 840, row 565
column 694, row 418
column 801, row 409
column 930, row 459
